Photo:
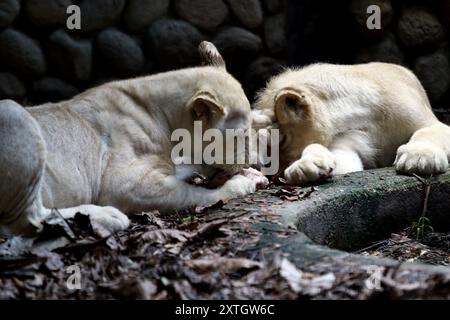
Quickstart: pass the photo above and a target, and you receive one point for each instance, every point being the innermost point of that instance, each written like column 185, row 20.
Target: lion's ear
column 204, row 106
column 290, row 105
column 210, row 55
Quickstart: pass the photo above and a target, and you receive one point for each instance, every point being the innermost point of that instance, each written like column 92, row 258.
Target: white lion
column 108, row 150
column 336, row 119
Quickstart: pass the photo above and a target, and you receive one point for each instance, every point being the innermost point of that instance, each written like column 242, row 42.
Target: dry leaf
column 207, row 230
column 291, row 274
column 224, row 265
column 164, row 236
column 318, row 284
column 136, row 289
column 300, row 284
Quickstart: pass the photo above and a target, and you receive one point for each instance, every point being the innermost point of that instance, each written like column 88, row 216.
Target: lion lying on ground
column 108, row 150
column 335, row 119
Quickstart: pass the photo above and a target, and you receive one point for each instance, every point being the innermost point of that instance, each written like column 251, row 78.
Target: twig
column 372, row 246
column 419, row 178
column 427, row 185
column 423, row 221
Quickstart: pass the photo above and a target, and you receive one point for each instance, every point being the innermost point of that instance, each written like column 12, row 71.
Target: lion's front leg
column 316, row 163
column 428, row 151
column 145, row 187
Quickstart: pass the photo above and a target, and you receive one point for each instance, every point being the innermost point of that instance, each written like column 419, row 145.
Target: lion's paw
column 313, row 166
column 420, row 158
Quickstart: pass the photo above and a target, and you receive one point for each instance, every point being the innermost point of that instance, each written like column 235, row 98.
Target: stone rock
column 368, row 208
column 20, row 53
column 272, row 6
column 356, row 209
column 70, row 57
column 248, row 12
column 100, row 14
column 434, row 73
column 173, row 43
column 52, row 90
column 119, row 53
column 139, row 14
column 358, row 8
column 11, row 87
column 348, row 212
column 205, row 14
column 447, row 10
column 47, row 13
column 275, row 32
column 237, row 44
column 385, row 50
column 9, row 9
column 419, row 28
column 258, row 73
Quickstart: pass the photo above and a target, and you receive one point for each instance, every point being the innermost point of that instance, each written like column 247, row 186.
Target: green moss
column 347, row 213
column 297, row 245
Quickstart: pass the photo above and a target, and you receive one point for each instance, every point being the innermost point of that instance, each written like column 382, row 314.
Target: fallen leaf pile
column 213, row 253
column 290, row 193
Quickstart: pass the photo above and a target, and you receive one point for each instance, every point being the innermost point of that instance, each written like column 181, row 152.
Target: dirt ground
column 208, row 253
column 184, row 257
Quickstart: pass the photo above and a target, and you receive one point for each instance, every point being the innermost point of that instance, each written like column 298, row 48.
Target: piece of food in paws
column 251, row 173
column 221, row 177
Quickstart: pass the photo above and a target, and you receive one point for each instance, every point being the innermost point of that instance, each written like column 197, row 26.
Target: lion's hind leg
column 109, row 217
column 22, row 162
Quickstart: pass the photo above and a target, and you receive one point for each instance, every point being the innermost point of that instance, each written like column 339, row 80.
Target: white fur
column 362, row 114
column 316, row 162
column 108, row 150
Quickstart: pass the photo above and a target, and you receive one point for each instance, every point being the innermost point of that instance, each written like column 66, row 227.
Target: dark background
column 41, row 60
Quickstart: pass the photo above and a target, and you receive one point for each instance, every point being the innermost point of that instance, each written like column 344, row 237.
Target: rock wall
column 42, row 60
column 413, row 33
column 416, row 36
